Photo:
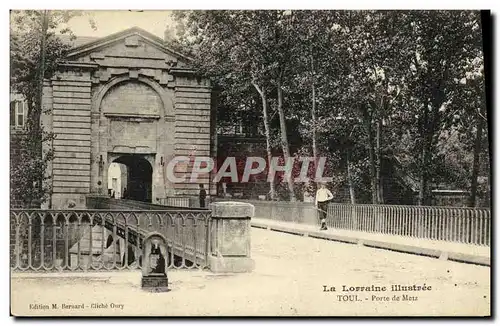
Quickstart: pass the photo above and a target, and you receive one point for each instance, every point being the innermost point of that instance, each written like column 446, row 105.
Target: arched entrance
column 139, row 177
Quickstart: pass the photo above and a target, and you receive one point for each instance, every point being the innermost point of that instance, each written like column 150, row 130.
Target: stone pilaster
column 230, row 239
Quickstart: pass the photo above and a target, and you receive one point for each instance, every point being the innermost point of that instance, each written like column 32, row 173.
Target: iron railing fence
column 86, row 240
column 187, row 201
column 176, row 201
column 455, row 224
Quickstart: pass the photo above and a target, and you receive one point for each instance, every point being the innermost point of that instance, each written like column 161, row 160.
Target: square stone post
column 230, row 237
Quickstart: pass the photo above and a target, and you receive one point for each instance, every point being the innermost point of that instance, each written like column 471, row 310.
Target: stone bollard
column 154, row 263
column 230, row 238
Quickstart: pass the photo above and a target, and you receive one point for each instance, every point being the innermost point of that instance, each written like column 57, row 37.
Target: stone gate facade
column 125, row 94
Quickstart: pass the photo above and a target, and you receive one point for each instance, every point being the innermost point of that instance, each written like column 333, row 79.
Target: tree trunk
column 371, row 156
column 313, row 115
column 429, row 138
column 380, row 199
column 422, row 191
column 380, row 184
column 41, row 73
column 475, row 164
column 37, row 110
column 267, row 132
column 284, row 137
column 352, row 192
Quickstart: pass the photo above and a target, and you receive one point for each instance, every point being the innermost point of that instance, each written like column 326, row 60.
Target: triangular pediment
column 133, row 43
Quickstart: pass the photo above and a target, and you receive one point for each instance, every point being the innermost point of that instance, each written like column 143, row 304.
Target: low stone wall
column 297, row 212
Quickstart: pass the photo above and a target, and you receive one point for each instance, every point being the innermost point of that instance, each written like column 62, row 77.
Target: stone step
column 85, row 259
column 97, row 241
column 94, row 249
column 97, row 233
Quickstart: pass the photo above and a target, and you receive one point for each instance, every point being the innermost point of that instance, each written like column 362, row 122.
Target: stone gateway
column 128, row 99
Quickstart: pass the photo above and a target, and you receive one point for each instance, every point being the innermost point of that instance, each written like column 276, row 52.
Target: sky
column 109, row 22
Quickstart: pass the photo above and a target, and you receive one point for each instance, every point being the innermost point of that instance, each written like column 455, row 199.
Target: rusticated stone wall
column 126, row 94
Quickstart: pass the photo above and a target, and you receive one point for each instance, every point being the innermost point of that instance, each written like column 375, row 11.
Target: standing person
column 203, row 195
column 224, row 190
column 323, row 195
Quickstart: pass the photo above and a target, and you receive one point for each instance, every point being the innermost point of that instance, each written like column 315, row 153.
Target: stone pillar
column 230, row 238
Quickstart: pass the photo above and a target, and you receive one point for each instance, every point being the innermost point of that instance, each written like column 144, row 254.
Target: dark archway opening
column 139, row 177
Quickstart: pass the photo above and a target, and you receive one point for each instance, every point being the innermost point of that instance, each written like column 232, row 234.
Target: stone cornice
column 131, row 115
column 182, row 71
column 78, row 64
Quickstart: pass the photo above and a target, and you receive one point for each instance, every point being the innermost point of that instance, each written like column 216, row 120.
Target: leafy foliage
column 378, row 91
column 35, row 49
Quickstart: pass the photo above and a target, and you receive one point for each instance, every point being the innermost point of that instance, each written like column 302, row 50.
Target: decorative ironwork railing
column 105, row 239
column 456, row 224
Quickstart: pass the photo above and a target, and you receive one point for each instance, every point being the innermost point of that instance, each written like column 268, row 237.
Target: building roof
column 103, row 41
column 81, row 44
column 77, row 41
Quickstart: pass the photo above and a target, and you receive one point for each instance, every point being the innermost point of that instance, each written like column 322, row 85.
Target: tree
column 478, row 106
column 470, row 120
column 374, row 91
column 314, row 63
column 444, row 43
column 368, row 44
column 34, row 50
column 241, row 49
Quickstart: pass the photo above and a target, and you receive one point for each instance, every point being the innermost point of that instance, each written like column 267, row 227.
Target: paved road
column 289, row 279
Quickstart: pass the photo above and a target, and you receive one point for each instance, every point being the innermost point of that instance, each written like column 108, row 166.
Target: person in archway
column 125, row 193
column 203, row 196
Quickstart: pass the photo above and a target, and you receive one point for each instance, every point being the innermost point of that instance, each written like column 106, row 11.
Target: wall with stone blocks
column 192, row 129
column 125, row 98
column 67, row 105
